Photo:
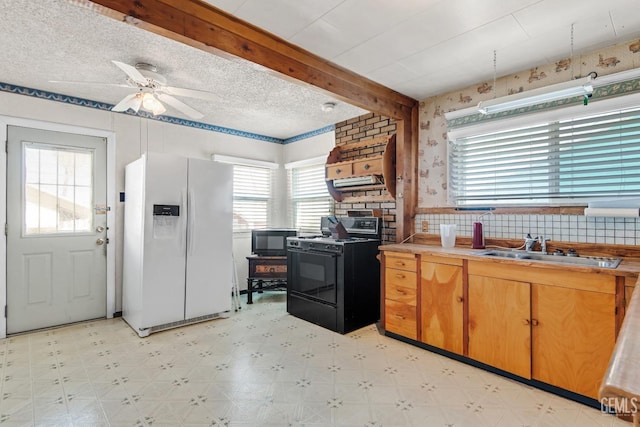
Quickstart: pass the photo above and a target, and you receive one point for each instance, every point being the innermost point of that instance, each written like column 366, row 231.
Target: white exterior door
column 56, row 228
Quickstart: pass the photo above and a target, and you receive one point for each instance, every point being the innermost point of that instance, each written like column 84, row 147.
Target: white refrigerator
column 177, row 265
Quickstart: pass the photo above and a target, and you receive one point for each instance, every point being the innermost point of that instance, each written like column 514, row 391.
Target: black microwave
column 271, row 241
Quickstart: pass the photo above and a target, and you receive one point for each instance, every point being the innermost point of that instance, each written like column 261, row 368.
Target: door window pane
column 58, row 190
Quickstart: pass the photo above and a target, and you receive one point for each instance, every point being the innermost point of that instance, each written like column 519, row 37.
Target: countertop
column 629, row 267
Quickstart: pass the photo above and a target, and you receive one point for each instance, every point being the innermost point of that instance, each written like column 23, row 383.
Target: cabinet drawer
column 404, row 262
column 400, row 318
column 404, row 294
column 367, row 166
column 400, row 278
column 341, row 170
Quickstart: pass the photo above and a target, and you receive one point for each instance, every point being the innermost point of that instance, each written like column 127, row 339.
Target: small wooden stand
column 268, row 272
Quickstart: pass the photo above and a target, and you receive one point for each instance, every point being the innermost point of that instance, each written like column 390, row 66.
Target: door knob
column 100, row 242
column 100, row 229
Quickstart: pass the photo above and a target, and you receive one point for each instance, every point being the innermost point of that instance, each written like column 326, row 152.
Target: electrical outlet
column 425, row 226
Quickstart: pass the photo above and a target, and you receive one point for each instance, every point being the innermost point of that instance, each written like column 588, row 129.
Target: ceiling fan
column 152, row 91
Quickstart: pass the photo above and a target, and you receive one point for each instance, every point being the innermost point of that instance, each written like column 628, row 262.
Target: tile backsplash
column 565, row 228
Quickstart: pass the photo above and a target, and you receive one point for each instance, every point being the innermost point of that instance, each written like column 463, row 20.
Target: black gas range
column 335, row 282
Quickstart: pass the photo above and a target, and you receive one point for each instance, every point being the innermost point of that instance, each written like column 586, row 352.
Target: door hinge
column 6, row 229
column 5, row 311
column 6, row 146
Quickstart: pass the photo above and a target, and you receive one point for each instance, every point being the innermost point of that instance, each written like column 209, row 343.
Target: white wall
column 315, row 146
column 135, row 136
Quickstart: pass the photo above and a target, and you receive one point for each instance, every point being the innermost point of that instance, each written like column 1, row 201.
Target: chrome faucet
column 543, row 244
column 529, row 242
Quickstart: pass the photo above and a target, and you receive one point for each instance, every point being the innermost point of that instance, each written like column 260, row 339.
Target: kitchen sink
column 589, row 261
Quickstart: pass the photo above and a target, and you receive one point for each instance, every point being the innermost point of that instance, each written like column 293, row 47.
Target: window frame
column 253, row 198
column 529, row 120
column 294, row 201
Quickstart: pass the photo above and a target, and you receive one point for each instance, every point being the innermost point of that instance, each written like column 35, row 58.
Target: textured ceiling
column 417, row 47
column 54, row 40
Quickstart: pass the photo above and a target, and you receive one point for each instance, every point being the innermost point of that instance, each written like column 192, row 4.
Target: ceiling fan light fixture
column 150, row 103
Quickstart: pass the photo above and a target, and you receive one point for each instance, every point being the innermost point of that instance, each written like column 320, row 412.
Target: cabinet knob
column 366, row 166
column 400, row 276
column 534, row 322
column 459, row 299
column 338, row 171
column 526, row 322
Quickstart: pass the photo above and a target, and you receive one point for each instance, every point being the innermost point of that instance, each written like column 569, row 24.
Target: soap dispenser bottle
column 477, row 237
column 477, row 233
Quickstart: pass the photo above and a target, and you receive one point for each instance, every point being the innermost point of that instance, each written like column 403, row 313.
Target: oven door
column 312, row 274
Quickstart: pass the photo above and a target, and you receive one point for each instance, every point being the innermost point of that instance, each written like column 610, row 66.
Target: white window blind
column 251, row 194
column 563, row 160
column 310, row 197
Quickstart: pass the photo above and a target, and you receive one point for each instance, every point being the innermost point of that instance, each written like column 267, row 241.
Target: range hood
column 356, row 181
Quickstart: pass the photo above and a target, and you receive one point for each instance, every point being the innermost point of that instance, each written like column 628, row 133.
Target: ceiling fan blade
column 190, row 93
column 90, row 83
column 132, row 72
column 136, row 103
column 181, row 106
column 127, row 102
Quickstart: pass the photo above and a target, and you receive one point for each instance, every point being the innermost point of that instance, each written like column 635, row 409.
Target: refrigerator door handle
column 183, row 233
column 191, row 225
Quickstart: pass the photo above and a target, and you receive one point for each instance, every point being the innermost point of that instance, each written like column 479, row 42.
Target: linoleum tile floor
column 259, row 367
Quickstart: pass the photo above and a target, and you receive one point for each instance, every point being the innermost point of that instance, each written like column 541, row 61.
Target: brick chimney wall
column 360, row 129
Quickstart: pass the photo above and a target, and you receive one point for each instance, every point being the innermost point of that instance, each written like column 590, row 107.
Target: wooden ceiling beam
column 206, row 27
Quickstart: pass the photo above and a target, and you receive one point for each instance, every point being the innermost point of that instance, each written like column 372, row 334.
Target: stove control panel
column 318, row 245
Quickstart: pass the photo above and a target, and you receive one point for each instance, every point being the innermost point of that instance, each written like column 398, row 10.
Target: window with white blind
column 567, row 160
column 310, row 197
column 251, row 194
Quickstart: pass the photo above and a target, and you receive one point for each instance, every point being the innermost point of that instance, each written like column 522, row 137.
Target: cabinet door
column 499, row 324
column 442, row 306
column 628, row 290
column 573, row 337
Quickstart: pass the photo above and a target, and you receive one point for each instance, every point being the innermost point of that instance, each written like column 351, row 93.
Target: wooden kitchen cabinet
column 629, row 286
column 442, row 303
column 555, row 326
column 573, row 334
column 499, row 323
column 401, row 294
column 568, row 322
column 371, row 159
